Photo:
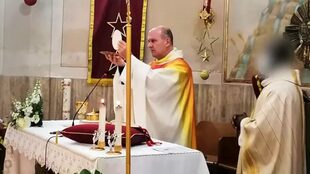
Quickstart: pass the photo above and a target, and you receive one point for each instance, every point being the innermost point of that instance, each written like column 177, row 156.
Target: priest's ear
column 167, row 33
column 168, row 42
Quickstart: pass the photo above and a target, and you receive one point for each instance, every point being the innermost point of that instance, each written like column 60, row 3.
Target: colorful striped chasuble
column 163, row 98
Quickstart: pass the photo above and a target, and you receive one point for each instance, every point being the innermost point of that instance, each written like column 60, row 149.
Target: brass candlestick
column 113, row 150
column 101, row 145
column 101, row 140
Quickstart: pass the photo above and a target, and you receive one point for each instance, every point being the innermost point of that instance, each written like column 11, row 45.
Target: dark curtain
column 103, row 13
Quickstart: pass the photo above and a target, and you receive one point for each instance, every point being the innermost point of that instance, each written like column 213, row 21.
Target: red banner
column 107, row 16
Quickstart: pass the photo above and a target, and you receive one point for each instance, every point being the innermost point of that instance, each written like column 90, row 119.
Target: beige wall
column 51, row 37
column 26, row 38
column 182, row 17
column 33, row 39
column 37, row 42
column 1, row 33
column 75, row 33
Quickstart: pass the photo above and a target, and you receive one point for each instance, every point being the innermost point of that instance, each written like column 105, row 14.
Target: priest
column 272, row 138
column 163, row 91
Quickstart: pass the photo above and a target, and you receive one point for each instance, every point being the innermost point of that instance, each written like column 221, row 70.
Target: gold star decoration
column 205, row 56
column 206, row 46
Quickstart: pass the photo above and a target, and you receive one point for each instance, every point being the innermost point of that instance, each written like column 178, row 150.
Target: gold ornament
column 204, row 14
column 205, row 56
column 207, row 17
column 205, row 50
column 204, row 74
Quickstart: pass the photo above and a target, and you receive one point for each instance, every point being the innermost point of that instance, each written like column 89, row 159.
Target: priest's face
column 159, row 45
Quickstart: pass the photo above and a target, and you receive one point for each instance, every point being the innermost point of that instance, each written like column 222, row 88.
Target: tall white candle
column 118, row 123
column 102, row 119
column 66, row 100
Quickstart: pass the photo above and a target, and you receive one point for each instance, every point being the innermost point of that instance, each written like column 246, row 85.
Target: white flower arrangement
column 30, row 112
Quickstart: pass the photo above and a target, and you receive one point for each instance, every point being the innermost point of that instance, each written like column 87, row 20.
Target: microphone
column 76, row 113
column 106, row 54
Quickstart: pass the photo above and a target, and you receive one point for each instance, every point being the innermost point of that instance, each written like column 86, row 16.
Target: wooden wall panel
column 80, row 89
column 55, row 103
column 17, row 88
column 215, row 103
column 218, row 103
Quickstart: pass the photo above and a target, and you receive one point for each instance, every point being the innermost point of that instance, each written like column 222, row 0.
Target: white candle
column 118, row 123
column 102, row 119
column 66, row 100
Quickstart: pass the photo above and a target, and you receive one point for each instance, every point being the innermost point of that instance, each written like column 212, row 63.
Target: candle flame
column 118, row 103
column 102, row 101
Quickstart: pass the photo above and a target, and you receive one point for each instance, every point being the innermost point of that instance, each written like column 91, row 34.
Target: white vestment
column 272, row 140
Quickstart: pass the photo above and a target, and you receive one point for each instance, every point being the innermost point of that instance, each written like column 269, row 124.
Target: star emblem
column 104, row 53
column 205, row 56
column 118, row 24
column 206, row 46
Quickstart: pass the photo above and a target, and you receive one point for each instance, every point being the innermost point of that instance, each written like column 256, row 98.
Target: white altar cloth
column 68, row 156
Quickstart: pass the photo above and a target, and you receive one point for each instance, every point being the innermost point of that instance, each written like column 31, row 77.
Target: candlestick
column 118, row 127
column 56, row 139
column 101, row 128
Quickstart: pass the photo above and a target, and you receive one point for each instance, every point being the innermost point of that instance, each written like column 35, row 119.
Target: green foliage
column 85, row 171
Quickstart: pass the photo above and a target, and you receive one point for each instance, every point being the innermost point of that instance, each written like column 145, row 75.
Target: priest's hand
column 116, row 59
column 236, row 121
column 122, row 46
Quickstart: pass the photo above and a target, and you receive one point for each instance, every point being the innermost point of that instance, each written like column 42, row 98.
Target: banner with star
column 107, row 16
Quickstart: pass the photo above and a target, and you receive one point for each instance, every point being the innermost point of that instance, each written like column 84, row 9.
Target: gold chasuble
column 163, row 98
column 272, row 139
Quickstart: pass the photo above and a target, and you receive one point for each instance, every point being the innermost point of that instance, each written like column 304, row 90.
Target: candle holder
column 101, row 141
column 113, row 150
column 82, row 111
column 118, row 147
column 92, row 116
column 95, row 139
column 100, row 145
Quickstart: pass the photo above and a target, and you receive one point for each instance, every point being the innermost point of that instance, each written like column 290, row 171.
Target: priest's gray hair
column 166, row 32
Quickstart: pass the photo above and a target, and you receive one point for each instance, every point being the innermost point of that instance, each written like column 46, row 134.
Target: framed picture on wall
column 247, row 27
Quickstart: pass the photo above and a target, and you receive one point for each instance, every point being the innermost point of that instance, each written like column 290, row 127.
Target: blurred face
column 264, row 65
column 158, row 44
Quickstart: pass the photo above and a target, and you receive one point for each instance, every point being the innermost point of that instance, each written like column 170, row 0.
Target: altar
column 26, row 146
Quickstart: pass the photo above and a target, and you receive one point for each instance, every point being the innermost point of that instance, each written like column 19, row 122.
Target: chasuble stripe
column 186, row 103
